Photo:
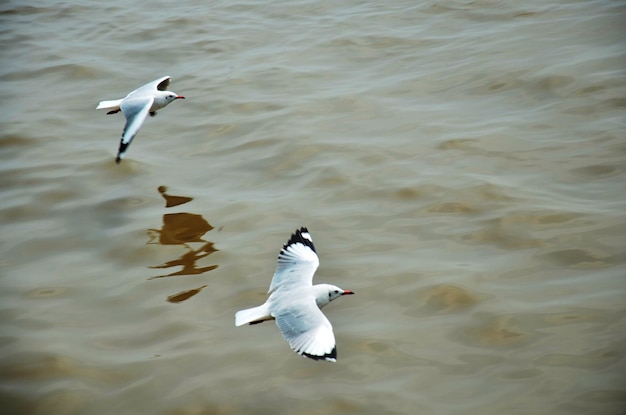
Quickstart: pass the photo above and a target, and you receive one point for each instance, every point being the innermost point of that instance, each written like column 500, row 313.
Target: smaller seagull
column 136, row 106
column 295, row 302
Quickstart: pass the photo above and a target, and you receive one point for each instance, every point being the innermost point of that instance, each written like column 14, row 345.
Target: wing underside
column 135, row 111
column 297, row 262
column 307, row 330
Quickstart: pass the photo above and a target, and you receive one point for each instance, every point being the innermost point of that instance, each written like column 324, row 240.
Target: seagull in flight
column 295, row 303
column 136, row 106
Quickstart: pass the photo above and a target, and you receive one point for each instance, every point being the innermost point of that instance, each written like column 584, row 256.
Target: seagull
column 295, row 303
column 137, row 105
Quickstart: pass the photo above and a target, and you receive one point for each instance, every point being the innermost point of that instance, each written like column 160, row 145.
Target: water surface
column 460, row 166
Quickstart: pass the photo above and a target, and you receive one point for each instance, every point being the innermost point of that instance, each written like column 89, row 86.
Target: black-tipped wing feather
column 135, row 110
column 297, row 262
column 306, row 328
column 332, row 356
column 300, row 236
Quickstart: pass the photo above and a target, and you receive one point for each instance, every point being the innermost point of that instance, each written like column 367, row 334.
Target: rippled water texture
column 460, row 165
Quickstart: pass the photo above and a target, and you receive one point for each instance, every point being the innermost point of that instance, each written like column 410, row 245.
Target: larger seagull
column 295, row 303
column 136, row 106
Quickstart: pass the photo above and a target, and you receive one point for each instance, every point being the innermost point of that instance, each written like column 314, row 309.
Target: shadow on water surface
column 182, row 229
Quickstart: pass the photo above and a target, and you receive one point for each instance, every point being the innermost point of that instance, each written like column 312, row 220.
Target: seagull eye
column 336, row 292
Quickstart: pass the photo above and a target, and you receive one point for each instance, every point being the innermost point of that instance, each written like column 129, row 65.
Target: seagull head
column 325, row 293
column 335, row 292
column 171, row 96
column 164, row 98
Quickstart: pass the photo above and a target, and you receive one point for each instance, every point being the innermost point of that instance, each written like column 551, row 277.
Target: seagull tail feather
column 112, row 104
column 252, row 315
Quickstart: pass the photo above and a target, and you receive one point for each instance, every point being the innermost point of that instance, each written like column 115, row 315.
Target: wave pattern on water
column 461, row 165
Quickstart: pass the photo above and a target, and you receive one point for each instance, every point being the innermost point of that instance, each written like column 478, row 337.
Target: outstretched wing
column 297, row 262
column 163, row 83
column 135, row 110
column 148, row 89
column 306, row 328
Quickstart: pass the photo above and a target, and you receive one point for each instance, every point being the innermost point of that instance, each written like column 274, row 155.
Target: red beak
column 347, row 292
column 180, row 97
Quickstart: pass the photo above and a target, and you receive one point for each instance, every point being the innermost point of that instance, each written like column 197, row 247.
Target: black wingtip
column 302, row 236
column 121, row 151
column 331, row 357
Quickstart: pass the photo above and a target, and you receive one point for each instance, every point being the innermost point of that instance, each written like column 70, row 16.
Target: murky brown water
column 461, row 166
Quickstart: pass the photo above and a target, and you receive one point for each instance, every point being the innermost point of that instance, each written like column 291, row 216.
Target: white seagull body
column 136, row 106
column 295, row 302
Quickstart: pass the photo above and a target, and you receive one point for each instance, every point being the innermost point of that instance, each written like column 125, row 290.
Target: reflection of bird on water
column 170, row 200
column 185, row 295
column 180, row 228
column 188, row 262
